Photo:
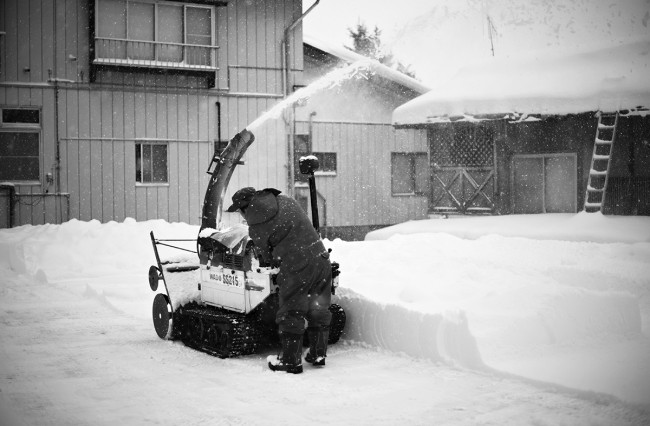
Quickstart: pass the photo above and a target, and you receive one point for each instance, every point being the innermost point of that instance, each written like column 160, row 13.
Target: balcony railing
column 154, row 54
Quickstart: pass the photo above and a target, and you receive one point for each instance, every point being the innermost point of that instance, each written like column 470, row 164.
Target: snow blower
column 238, row 294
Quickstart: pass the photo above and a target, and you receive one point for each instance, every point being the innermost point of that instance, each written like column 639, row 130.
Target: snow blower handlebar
column 308, row 165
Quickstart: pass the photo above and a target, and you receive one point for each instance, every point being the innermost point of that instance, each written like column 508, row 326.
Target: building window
column 154, row 33
column 18, row 117
column 326, row 160
column 20, row 145
column 19, row 156
column 409, row 173
column 150, row 163
column 301, row 147
column 326, row 163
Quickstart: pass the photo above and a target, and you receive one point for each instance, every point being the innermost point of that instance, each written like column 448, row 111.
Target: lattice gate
column 463, row 168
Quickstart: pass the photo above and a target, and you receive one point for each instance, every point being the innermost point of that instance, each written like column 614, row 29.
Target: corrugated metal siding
column 99, row 123
column 98, row 152
column 37, row 203
column 38, row 208
column 360, row 193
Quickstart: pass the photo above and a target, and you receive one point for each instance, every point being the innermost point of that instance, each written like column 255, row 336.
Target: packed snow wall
column 559, row 316
column 438, row 337
column 510, row 297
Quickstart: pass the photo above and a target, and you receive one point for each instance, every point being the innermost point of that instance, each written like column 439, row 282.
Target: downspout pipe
column 12, row 200
column 286, row 50
column 311, row 132
column 286, row 76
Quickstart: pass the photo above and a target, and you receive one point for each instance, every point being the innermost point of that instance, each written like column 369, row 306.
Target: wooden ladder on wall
column 601, row 160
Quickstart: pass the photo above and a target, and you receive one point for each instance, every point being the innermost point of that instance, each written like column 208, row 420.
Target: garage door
column 544, row 183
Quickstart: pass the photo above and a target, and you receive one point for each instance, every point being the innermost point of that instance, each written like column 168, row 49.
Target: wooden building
column 113, row 108
column 371, row 175
column 556, row 135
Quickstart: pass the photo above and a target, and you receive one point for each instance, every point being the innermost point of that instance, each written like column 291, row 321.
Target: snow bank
column 594, row 227
column 12, row 252
column 561, row 317
column 518, row 294
column 75, row 250
column 80, row 249
column 524, row 280
column 533, row 288
column 437, row 337
column 475, row 292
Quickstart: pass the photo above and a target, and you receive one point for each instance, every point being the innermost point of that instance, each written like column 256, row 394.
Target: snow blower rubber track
column 222, row 333
column 337, row 324
column 226, row 334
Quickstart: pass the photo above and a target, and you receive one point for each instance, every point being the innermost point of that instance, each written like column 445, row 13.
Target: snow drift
column 507, row 293
column 437, row 337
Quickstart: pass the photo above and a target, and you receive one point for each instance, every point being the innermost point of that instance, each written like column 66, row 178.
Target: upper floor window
column 21, row 117
column 154, row 33
column 20, row 144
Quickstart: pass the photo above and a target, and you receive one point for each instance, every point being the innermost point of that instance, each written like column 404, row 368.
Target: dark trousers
column 305, row 294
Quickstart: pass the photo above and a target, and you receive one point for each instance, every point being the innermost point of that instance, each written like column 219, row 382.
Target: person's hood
column 263, row 207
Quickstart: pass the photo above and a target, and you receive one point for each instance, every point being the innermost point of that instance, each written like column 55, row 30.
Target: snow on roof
column 605, row 79
column 376, row 67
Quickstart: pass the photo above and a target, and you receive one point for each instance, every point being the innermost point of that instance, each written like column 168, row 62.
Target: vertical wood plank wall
column 101, row 163
column 99, row 123
column 360, row 192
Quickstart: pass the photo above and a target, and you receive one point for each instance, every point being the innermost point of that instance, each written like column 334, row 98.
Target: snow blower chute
column 238, row 297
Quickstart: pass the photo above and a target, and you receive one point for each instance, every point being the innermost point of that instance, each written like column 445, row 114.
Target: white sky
column 437, row 37
column 332, row 18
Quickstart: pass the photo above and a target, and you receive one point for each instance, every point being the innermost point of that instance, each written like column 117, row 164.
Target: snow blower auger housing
column 238, row 296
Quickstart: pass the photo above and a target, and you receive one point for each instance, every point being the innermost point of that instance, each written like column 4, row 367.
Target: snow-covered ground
column 513, row 320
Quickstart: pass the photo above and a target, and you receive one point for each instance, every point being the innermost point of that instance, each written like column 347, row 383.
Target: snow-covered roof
column 351, row 57
column 604, row 79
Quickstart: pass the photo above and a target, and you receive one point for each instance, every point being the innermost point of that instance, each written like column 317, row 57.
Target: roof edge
column 375, row 66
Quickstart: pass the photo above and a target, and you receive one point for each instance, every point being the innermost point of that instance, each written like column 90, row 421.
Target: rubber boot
column 290, row 358
column 318, row 337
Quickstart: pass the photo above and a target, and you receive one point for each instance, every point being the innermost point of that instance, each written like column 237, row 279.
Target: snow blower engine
column 225, row 303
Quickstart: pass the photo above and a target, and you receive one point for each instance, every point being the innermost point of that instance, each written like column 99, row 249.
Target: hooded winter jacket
column 281, row 230
column 285, row 237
